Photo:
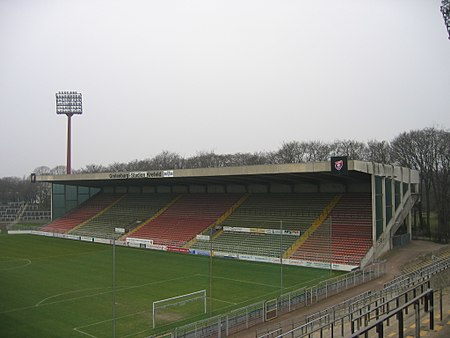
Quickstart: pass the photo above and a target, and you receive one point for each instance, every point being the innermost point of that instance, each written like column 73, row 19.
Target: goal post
column 179, row 307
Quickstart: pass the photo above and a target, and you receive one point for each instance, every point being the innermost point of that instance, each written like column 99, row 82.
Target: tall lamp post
column 281, row 258
column 69, row 104
column 120, row 232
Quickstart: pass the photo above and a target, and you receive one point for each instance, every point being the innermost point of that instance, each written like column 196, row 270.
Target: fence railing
column 394, row 291
column 430, row 270
column 243, row 318
column 354, row 316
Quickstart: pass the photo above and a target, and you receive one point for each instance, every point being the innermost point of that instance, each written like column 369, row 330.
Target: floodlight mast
column 445, row 9
column 69, row 103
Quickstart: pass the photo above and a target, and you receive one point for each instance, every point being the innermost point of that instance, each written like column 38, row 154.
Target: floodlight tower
column 445, row 9
column 68, row 103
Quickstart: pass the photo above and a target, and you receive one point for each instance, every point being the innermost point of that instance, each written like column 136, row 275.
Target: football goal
column 169, row 310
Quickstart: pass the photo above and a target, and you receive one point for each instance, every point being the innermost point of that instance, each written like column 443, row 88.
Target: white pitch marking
column 64, row 293
column 95, row 294
column 26, row 260
column 85, row 333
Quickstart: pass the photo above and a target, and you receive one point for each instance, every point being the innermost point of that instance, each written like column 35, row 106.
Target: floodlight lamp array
column 445, row 9
column 69, row 103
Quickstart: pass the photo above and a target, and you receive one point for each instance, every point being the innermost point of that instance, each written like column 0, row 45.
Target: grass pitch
column 61, row 288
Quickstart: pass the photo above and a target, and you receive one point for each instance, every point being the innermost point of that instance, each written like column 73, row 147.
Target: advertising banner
column 87, row 239
column 177, row 249
column 77, row 238
column 226, row 254
column 200, row 252
column 262, row 231
column 137, row 241
column 119, row 230
column 320, row 265
column 102, row 240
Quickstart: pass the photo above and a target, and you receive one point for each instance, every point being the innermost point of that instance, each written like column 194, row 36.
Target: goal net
column 169, row 310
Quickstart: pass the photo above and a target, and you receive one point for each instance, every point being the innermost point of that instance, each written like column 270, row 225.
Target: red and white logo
column 338, row 165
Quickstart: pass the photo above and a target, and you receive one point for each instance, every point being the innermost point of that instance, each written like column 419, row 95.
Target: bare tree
column 353, row 149
column 42, row 190
column 166, row 160
column 117, row 167
column 138, row 165
column 58, row 170
column 441, row 181
column 417, row 149
column 316, row 151
column 92, row 168
column 271, row 157
column 42, row 170
column 204, row 159
column 290, row 152
column 256, row 158
column 378, row 151
column 9, row 189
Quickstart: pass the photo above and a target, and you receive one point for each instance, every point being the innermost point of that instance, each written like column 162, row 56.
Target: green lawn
column 61, row 288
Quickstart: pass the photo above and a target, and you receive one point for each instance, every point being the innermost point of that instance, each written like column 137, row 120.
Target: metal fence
column 435, row 267
column 243, row 318
column 395, row 292
column 353, row 317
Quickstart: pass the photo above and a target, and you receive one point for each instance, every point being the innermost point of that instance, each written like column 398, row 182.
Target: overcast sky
column 225, row 76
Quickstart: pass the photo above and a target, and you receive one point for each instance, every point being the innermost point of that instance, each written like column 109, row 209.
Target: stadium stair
column 97, row 215
column 261, row 212
column 316, row 224
column 190, row 215
column 127, row 213
column 130, row 234
column 346, row 238
column 220, row 220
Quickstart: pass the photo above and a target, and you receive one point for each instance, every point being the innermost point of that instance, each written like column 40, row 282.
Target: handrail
column 427, row 295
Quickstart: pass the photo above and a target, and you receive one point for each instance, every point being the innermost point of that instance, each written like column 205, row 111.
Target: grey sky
column 228, row 76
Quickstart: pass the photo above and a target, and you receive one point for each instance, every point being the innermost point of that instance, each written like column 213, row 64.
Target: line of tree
column 426, row 150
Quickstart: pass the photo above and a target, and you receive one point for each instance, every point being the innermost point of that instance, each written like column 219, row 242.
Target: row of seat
column 188, row 216
column 127, row 213
column 20, row 211
column 81, row 214
column 277, row 211
column 291, row 211
column 346, row 235
column 268, row 245
column 175, row 220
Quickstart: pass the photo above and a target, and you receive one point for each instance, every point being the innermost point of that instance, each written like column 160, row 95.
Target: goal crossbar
column 172, row 301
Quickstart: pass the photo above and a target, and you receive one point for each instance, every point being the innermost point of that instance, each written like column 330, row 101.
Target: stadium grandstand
column 340, row 214
column 23, row 212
